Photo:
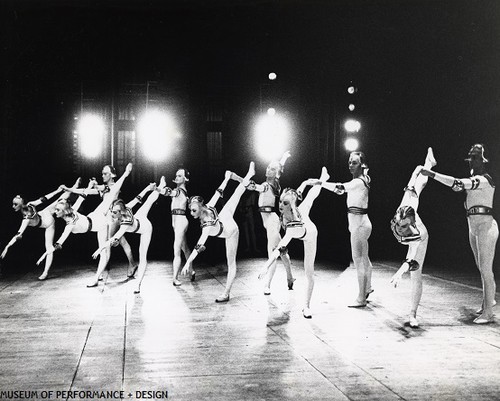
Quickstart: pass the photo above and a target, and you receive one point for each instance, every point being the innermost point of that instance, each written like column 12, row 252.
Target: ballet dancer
column 360, row 225
column 409, row 230
column 221, row 225
column 483, row 229
column 269, row 192
column 137, row 223
column 43, row 219
column 96, row 221
column 297, row 224
column 107, row 196
column 180, row 222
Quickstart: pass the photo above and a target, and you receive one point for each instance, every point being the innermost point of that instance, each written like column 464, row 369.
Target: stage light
column 91, row 135
column 157, row 132
column 351, row 144
column 271, row 111
column 272, row 76
column 271, row 137
column 351, row 107
column 352, row 126
column 351, row 89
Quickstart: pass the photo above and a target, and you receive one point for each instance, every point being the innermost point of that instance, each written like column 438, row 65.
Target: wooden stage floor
column 60, row 340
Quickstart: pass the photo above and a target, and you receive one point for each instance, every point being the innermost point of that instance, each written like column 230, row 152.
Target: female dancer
column 409, row 230
column 96, row 221
column 269, row 191
column 483, row 229
column 135, row 223
column 297, row 224
column 360, row 225
column 220, row 225
column 180, row 222
column 43, row 219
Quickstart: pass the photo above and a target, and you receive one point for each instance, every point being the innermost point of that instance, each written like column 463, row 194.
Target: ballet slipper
column 290, row 283
column 306, row 312
column 222, row 298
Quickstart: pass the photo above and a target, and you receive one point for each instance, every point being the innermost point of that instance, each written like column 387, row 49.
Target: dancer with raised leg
column 42, row 219
column 297, row 224
column 409, row 230
column 180, row 222
column 221, row 225
column 269, row 193
column 107, row 196
column 96, row 221
column 483, row 229
column 360, row 225
column 137, row 223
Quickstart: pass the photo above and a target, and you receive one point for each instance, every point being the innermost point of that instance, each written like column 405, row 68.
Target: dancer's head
column 181, row 176
column 403, row 222
column 108, row 173
column 117, row 209
column 274, row 170
column 476, row 158
column 195, row 205
column 63, row 209
column 288, row 200
column 357, row 164
column 18, row 203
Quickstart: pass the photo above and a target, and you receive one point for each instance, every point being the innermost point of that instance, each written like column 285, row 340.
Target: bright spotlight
column 351, row 107
column 271, row 111
column 272, row 76
column 157, row 132
column 271, row 136
column 351, row 89
column 351, row 144
column 91, row 135
column 352, row 126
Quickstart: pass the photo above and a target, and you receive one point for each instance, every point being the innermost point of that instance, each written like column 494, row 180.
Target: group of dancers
column 286, row 210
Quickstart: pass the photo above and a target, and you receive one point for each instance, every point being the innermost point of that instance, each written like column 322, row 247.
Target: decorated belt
column 179, row 212
column 357, row 210
column 266, row 209
column 479, row 210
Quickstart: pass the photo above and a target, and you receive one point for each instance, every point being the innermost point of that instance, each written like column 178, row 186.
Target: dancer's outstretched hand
column 41, row 258
column 396, row 278
column 262, row 274
column 185, row 270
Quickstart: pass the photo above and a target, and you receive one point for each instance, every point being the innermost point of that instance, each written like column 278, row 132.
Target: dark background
column 427, row 74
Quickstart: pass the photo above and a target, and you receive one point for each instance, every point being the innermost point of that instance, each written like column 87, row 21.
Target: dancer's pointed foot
column 324, row 175
column 251, row 169
column 267, row 291
column 306, row 312
column 176, row 283
column 77, row 182
column 430, row 159
column 228, row 175
column 369, row 292
column 162, row 184
column 92, row 284
column 137, row 290
column 193, row 276
column 290, row 283
column 43, row 276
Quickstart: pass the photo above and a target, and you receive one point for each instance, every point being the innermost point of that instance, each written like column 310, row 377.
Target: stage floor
column 61, row 340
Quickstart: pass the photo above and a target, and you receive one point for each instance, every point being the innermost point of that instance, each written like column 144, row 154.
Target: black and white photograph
column 242, row 200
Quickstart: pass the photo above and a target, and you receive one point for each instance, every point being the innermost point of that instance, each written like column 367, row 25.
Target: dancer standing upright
column 360, row 225
column 483, row 229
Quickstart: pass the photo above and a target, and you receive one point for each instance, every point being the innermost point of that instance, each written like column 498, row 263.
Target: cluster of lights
column 351, row 125
column 157, row 133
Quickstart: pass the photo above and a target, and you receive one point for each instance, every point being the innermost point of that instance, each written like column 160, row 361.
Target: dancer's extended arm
column 113, row 241
column 15, row 238
column 457, row 184
column 410, row 264
column 58, row 244
column 200, row 247
column 281, row 245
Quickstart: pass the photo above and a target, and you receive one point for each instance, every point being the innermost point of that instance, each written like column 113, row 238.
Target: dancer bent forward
column 297, row 224
column 221, row 225
column 409, row 230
